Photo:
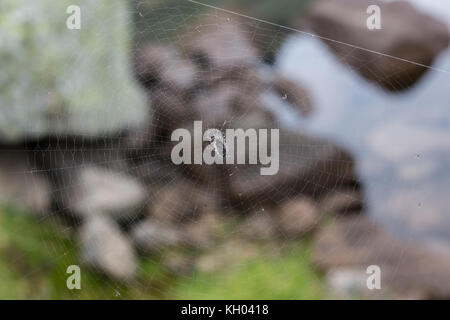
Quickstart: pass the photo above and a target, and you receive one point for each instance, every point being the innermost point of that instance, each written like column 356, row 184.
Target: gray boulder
column 356, row 243
column 308, row 166
column 153, row 237
column 60, row 81
column 182, row 202
column 297, row 217
column 259, row 226
column 405, row 33
column 218, row 43
column 163, row 66
column 99, row 191
column 342, row 202
column 105, row 248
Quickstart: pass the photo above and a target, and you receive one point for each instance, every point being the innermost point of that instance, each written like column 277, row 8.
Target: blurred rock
column 202, row 232
column 308, row 166
column 297, row 217
column 171, row 109
column 267, row 38
column 153, row 237
column 152, row 171
column 230, row 254
column 342, row 202
column 105, row 248
column 349, row 283
column 70, row 81
column 179, row 264
column 62, row 160
column 223, row 106
column 22, row 187
column 229, row 105
column 345, row 21
column 233, row 101
column 157, row 65
column 182, row 202
column 224, row 83
column 219, row 43
column 406, row 268
column 259, row 226
column 99, row 191
column 168, row 109
column 141, row 138
column 291, row 219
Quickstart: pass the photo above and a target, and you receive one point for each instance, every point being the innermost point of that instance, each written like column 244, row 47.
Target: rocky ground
column 123, row 199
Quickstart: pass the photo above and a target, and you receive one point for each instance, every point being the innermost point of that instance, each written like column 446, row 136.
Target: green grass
column 34, row 257
column 288, row 276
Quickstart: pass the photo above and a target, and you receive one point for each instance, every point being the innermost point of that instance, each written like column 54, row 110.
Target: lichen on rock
column 55, row 80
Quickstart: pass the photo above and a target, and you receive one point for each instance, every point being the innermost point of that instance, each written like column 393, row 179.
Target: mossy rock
column 55, row 80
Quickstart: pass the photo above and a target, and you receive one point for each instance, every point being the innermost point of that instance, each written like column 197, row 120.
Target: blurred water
column 401, row 141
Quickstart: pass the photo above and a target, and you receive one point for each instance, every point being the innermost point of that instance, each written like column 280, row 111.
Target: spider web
column 143, row 154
